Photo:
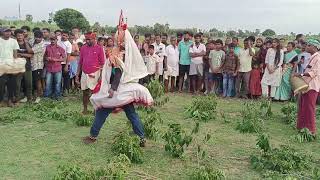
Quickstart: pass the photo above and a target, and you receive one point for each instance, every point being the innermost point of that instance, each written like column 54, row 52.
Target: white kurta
column 160, row 50
column 273, row 79
column 172, row 61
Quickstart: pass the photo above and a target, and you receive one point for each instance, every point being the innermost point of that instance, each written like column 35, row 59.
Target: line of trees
column 68, row 18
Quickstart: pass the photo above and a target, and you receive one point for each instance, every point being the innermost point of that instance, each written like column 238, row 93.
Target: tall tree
column 29, row 17
column 268, row 33
column 68, row 18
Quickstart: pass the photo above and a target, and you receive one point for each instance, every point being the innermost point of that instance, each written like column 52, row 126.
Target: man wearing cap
column 8, row 50
column 307, row 103
column 91, row 61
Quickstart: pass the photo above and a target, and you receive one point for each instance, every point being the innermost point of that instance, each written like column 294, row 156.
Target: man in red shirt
column 91, row 61
column 54, row 55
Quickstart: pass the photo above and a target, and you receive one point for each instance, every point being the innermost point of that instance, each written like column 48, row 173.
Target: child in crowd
column 206, row 66
column 255, row 75
column 152, row 63
column 216, row 58
column 229, row 69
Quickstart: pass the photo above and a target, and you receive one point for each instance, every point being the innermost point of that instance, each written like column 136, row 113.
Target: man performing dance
column 307, row 104
column 119, row 86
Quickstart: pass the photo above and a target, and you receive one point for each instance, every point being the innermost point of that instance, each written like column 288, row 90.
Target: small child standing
column 255, row 75
column 230, row 70
column 152, row 63
column 216, row 58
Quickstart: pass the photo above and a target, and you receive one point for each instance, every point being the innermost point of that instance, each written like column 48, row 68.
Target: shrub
column 207, row 173
column 202, row 108
column 128, row 145
column 176, row 140
column 251, row 120
column 150, row 121
column 305, row 135
column 290, row 114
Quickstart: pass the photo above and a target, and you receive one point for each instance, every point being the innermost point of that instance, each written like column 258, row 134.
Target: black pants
column 66, row 79
column 8, row 80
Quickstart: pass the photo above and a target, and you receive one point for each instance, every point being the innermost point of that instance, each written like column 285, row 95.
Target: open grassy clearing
column 34, row 146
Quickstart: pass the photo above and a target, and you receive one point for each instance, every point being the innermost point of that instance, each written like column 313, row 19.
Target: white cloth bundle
column 12, row 66
column 129, row 90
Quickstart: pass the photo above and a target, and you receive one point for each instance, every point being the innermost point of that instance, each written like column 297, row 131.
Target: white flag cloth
column 129, row 90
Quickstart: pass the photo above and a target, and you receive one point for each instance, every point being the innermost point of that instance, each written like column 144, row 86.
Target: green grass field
column 33, row 147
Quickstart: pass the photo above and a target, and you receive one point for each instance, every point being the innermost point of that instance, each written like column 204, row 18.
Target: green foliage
column 156, row 89
column 74, row 172
column 68, row 18
column 83, row 120
column 128, row 145
column 263, row 142
column 203, row 108
column 283, row 160
column 305, row 135
column 150, row 121
column 290, row 114
column 29, row 17
column 251, row 120
column 268, row 33
column 116, row 169
column 207, row 173
column 176, row 140
column 265, row 109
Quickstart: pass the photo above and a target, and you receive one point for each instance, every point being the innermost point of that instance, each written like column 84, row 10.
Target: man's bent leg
column 134, row 119
column 99, row 119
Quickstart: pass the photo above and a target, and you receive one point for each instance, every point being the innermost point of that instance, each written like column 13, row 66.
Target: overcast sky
column 284, row 16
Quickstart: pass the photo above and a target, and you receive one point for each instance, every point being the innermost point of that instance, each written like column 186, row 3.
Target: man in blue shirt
column 185, row 59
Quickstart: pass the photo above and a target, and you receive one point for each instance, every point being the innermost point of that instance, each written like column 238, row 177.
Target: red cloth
column 255, row 83
column 91, row 58
column 55, row 52
column 307, row 111
column 90, row 35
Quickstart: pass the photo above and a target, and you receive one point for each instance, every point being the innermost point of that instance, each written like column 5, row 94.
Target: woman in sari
column 283, row 92
column 272, row 74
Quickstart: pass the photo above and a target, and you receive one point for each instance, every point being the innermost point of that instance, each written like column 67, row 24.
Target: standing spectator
column 237, row 48
column 255, row 75
column 74, row 60
column 185, row 59
column 160, row 50
column 67, row 47
column 197, row 51
column 91, row 61
column 12, row 28
column 46, row 36
column 152, row 39
column 54, row 55
column 179, row 37
column 26, row 32
column 216, row 58
column 303, row 58
column 25, row 51
column 146, row 42
column 307, row 102
column 58, row 34
column 227, row 43
column 284, row 91
column 37, row 63
column 230, row 71
column 206, row 66
column 137, row 41
column 152, row 63
column 8, row 50
column 272, row 74
column 78, row 37
column 283, row 45
column 243, row 78
column 172, row 71
column 164, row 39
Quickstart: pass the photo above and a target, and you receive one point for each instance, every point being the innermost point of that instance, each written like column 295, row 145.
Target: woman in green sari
column 284, row 91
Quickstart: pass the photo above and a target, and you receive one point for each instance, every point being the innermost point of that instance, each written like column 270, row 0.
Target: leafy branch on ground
column 290, row 114
column 156, row 90
column 265, row 109
column 150, row 121
column 202, row 108
column 176, row 140
column 207, row 173
column 116, row 169
column 283, row 160
column 251, row 121
column 304, row 135
column 128, row 145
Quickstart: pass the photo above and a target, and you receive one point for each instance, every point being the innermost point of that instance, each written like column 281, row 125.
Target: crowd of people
column 59, row 62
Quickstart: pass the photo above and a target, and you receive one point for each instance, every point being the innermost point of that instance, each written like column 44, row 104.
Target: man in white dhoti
column 119, row 86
